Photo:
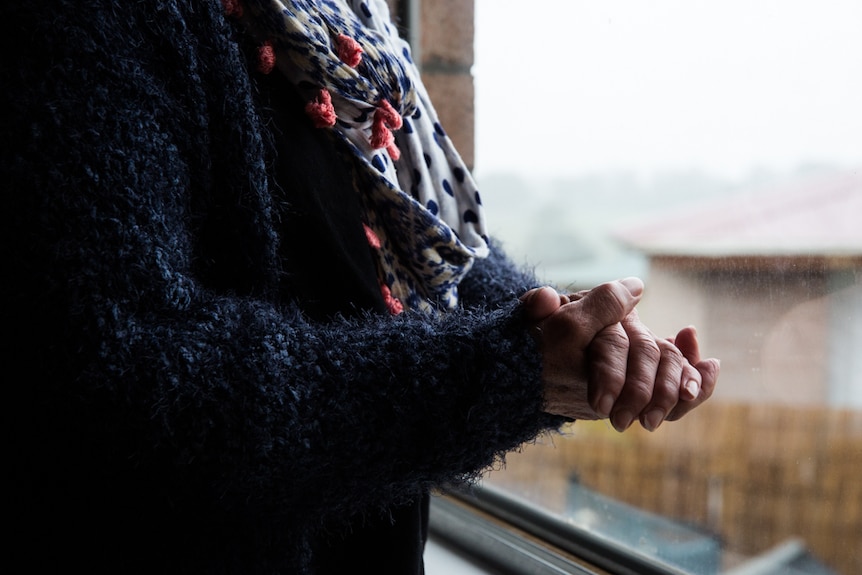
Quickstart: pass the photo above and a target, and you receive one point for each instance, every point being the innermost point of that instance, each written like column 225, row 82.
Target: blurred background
column 714, row 149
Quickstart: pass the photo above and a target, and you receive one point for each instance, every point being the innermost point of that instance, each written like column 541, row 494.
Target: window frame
column 520, row 538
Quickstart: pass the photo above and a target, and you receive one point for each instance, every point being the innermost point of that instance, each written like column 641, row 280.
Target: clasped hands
column 600, row 361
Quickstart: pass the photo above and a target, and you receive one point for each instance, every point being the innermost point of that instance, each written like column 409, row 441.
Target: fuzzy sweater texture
column 186, row 390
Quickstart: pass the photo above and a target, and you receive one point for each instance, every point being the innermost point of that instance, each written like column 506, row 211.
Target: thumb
column 541, row 302
column 609, row 303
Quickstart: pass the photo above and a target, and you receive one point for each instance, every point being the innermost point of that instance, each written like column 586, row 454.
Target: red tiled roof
column 814, row 217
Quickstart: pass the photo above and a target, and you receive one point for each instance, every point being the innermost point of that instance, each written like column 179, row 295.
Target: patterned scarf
column 423, row 213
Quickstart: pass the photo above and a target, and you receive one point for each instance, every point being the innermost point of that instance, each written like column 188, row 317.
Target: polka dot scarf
column 422, row 211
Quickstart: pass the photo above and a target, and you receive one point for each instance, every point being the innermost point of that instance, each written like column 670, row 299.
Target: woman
column 251, row 294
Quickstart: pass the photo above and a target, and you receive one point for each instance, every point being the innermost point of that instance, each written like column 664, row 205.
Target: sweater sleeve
column 496, row 280
column 238, row 397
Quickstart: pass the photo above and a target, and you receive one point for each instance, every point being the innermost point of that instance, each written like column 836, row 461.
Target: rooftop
column 817, row 216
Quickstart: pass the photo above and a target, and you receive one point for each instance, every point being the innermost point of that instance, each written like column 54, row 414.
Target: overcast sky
column 579, row 86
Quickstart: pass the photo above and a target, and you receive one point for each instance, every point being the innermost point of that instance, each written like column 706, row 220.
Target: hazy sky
column 647, row 85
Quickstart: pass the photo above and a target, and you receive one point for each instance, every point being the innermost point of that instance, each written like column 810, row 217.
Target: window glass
column 714, row 149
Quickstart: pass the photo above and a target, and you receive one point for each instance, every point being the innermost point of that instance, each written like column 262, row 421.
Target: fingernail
column 692, row 388
column 634, row 285
column 653, row 419
column 622, row 420
column 606, row 404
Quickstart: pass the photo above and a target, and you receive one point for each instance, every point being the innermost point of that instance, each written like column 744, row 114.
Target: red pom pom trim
column 232, row 8
column 372, row 238
column 321, row 111
column 393, row 303
column 265, row 58
column 385, row 120
column 349, row 51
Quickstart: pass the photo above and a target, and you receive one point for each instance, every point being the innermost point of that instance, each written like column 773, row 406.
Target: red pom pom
column 265, row 58
column 389, row 115
column 372, row 238
column 321, row 111
column 381, row 136
column 232, row 8
column 394, row 152
column 385, row 120
column 393, row 303
column 349, row 51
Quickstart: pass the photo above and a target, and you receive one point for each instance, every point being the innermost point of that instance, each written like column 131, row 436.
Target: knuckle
column 638, row 393
column 644, row 355
column 605, row 377
column 609, row 298
column 611, row 341
column 666, row 401
column 671, row 354
column 649, row 349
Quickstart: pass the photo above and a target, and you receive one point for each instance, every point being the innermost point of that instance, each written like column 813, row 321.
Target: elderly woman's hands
column 635, row 375
column 600, row 361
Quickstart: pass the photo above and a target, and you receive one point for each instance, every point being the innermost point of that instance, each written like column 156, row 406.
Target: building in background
column 772, row 279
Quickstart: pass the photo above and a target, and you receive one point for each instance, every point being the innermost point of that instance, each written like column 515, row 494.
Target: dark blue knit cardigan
column 199, row 377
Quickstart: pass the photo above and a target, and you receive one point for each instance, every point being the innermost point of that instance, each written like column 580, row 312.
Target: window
column 714, row 149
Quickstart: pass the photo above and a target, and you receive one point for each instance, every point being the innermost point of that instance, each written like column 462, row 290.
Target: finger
column 608, row 356
column 709, row 370
column 666, row 390
column 606, row 304
column 690, row 382
column 686, row 342
column 643, row 362
column 541, row 302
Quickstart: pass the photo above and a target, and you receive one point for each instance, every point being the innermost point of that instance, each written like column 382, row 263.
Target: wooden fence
column 755, row 475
